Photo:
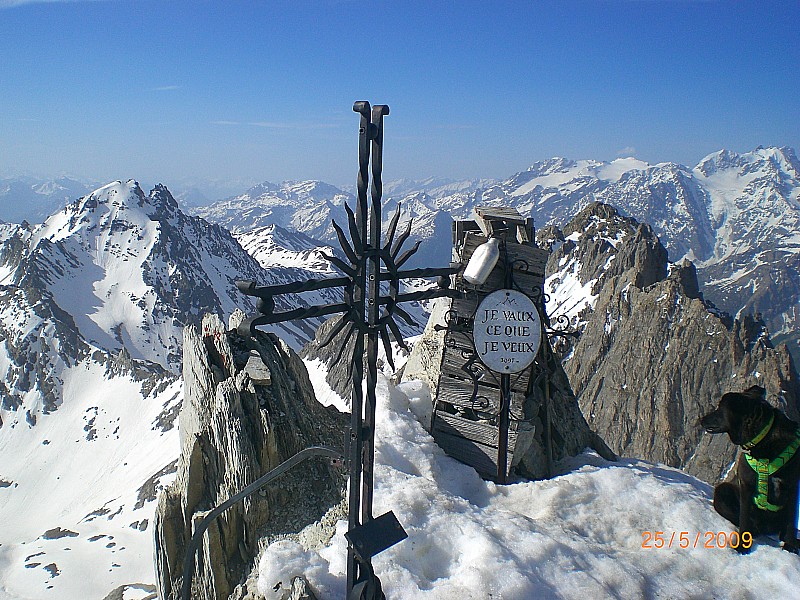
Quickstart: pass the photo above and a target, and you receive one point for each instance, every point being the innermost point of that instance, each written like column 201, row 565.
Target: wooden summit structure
column 470, row 420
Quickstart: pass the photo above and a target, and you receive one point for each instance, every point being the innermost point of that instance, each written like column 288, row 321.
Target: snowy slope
column 577, row 535
column 79, row 487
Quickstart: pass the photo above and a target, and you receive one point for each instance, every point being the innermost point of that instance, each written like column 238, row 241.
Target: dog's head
column 742, row 415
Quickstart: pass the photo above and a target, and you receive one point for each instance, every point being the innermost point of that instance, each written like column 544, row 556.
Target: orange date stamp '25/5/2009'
column 659, row 540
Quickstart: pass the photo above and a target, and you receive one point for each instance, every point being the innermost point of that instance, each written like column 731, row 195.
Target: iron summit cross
column 364, row 312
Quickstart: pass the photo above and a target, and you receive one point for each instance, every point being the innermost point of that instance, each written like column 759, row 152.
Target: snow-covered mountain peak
column 117, row 205
column 265, row 187
column 617, row 168
column 557, row 164
column 315, row 190
column 114, row 202
column 131, row 268
column 564, row 174
column 758, row 161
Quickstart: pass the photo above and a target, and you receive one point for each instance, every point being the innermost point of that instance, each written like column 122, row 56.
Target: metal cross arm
column 266, row 303
column 371, row 296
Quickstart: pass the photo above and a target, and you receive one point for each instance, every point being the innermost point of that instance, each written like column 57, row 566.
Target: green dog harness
column 765, row 468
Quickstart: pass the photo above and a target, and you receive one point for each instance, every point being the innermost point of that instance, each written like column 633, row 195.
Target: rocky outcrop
column 238, row 422
column 425, row 361
column 653, row 356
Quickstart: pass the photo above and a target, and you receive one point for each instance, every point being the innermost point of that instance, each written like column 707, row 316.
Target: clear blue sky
column 170, row 90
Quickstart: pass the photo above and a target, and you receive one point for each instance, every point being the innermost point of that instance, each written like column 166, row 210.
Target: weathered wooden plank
column 477, row 431
column 502, row 220
column 458, row 392
column 466, row 307
column 490, row 217
column 480, row 457
column 452, row 369
column 457, row 350
column 499, row 212
column 459, row 230
column 526, row 281
column 458, row 340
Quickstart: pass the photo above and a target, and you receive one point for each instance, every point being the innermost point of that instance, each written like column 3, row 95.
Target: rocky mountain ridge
column 92, row 306
column 653, row 355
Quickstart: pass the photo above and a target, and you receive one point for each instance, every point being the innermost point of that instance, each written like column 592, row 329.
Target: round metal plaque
column 507, row 331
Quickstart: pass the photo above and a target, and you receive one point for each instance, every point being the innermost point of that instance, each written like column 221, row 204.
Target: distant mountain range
column 736, row 216
column 33, row 200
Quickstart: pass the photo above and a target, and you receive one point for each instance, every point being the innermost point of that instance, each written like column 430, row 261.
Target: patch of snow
column 317, row 372
column 567, row 295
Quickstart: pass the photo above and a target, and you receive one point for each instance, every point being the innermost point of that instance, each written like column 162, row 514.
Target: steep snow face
column 581, row 534
column 78, row 489
column 753, row 200
column 754, row 203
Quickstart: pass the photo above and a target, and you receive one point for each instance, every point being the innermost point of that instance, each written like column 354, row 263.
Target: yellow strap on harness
column 762, row 434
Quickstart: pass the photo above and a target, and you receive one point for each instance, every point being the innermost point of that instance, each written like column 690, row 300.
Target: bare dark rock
column 232, row 432
column 149, row 490
column 337, row 356
column 58, row 533
column 653, row 356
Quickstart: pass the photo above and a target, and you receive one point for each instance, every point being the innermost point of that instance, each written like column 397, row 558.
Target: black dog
column 759, row 503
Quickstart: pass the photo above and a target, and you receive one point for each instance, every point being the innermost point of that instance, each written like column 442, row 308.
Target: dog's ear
column 756, row 391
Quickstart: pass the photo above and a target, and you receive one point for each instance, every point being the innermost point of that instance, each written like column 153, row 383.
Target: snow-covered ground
column 578, row 535
column 77, row 491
